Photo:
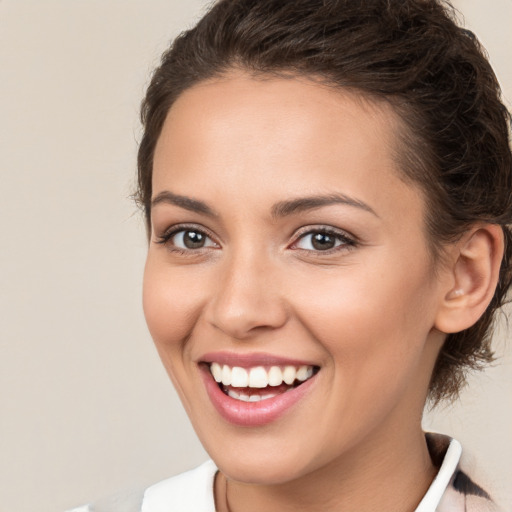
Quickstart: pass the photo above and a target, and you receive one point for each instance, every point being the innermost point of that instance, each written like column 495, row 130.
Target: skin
column 364, row 312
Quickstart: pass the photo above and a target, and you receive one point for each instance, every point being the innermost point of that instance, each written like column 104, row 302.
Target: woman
column 327, row 188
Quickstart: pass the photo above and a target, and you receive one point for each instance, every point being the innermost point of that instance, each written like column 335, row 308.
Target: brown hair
column 410, row 53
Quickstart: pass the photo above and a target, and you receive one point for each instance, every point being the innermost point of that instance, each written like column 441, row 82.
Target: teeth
column 216, row 370
column 249, row 398
column 239, row 377
column 275, row 376
column 289, row 374
column 226, row 375
column 304, row 373
column 259, row 377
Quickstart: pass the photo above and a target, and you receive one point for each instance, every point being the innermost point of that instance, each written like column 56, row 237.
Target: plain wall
column 85, row 406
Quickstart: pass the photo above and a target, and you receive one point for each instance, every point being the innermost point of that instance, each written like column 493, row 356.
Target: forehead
column 282, row 109
column 270, row 137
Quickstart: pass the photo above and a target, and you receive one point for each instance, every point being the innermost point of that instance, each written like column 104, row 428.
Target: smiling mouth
column 259, row 383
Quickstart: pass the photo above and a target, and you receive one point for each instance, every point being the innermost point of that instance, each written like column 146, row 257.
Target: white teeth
column 258, row 377
column 249, row 398
column 216, row 370
column 304, row 373
column 226, row 375
column 289, row 374
column 275, row 376
column 239, row 377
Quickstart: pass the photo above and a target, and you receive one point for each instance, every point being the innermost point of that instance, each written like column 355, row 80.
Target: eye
column 187, row 239
column 322, row 240
column 191, row 239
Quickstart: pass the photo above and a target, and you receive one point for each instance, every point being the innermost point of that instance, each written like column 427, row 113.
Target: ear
column 471, row 278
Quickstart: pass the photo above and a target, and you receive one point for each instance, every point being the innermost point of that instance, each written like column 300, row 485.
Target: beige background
column 85, row 408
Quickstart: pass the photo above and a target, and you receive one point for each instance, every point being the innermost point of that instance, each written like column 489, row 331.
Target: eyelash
column 347, row 241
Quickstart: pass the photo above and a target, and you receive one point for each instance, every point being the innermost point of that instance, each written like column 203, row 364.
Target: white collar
column 437, row 489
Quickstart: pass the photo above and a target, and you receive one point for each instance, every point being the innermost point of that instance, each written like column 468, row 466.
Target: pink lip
column 250, row 360
column 253, row 414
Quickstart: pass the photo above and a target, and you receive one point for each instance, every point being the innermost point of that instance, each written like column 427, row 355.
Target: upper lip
column 251, row 359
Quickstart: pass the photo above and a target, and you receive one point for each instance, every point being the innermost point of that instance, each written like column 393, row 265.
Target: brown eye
column 322, row 241
column 193, row 239
column 189, row 239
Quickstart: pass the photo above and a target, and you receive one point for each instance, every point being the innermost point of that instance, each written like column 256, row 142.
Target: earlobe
column 472, row 278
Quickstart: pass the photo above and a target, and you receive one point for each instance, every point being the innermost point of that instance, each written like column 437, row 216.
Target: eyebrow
column 185, row 202
column 280, row 209
column 302, row 204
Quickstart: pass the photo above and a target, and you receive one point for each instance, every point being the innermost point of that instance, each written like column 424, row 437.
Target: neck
column 377, row 476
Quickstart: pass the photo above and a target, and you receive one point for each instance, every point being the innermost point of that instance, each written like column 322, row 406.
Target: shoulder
column 190, row 491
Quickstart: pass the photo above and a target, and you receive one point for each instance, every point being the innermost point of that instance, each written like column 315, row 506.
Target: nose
column 247, row 299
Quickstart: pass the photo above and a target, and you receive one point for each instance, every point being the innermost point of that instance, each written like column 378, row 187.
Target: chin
column 261, row 461
column 262, row 472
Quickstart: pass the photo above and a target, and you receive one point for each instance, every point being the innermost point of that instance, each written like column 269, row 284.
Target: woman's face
column 285, row 245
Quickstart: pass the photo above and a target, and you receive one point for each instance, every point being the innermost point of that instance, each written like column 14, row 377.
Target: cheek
column 171, row 302
column 372, row 323
column 373, row 329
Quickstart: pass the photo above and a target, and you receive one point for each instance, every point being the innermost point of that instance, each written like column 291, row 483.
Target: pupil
column 193, row 240
column 323, row 242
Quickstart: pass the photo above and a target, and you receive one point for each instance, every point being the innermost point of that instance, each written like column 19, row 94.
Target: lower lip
column 253, row 414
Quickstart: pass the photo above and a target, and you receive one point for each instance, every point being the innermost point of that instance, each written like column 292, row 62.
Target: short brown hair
column 410, row 53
